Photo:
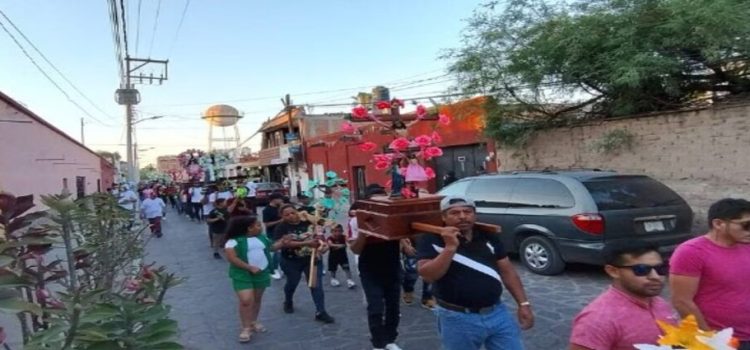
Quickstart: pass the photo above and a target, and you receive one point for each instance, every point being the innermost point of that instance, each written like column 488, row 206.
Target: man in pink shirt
column 626, row 313
column 710, row 274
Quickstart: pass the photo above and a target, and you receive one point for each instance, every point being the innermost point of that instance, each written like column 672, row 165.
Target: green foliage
column 605, row 57
column 614, row 141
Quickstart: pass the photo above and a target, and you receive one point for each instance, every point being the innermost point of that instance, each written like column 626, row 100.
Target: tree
column 603, row 57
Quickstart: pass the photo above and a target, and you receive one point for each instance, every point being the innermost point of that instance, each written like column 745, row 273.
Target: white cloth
column 210, row 204
column 256, row 252
column 353, row 228
column 152, row 207
column 224, row 195
column 127, row 200
column 195, row 194
column 252, row 188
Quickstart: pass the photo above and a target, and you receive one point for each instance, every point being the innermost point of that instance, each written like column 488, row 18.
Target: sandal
column 259, row 327
column 245, row 335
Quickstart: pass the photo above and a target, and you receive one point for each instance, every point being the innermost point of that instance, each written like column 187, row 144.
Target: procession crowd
column 463, row 270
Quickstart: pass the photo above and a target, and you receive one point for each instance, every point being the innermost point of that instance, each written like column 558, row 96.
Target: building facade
column 38, row 158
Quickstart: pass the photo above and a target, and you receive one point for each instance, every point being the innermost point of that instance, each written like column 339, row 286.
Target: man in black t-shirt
column 271, row 218
column 297, row 243
column 217, row 225
column 468, row 269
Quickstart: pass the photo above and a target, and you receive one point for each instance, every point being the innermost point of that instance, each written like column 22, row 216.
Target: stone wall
column 704, row 154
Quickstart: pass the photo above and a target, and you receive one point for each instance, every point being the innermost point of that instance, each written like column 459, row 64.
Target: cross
column 397, row 121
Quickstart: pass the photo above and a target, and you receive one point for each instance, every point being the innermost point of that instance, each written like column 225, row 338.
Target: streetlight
column 133, row 171
column 148, row 118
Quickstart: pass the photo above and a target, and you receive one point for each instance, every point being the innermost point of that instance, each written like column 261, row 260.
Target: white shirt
column 256, row 252
column 252, row 187
column 210, row 205
column 195, row 194
column 225, row 195
column 152, row 207
column 127, row 200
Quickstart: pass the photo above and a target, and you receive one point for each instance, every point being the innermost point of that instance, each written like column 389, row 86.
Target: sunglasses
column 642, row 270
column 744, row 224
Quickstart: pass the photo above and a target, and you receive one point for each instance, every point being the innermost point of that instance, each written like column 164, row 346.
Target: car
column 551, row 218
column 265, row 189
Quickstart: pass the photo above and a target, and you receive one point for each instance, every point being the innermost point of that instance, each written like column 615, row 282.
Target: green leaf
column 27, row 241
column 5, row 260
column 160, row 326
column 16, row 305
column 9, row 281
column 105, row 345
column 166, row 346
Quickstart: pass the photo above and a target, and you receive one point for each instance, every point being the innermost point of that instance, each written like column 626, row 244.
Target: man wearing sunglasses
column 626, row 313
column 710, row 274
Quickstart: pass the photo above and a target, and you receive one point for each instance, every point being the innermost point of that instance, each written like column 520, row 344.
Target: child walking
column 337, row 256
column 217, row 225
column 248, row 252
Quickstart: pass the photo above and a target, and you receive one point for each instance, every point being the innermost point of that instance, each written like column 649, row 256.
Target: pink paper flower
column 423, row 140
column 436, row 138
column 421, row 112
column 382, row 165
column 42, row 295
column 359, row 112
column 132, row 285
column 402, row 171
column 382, row 157
column 367, row 146
column 348, row 127
column 432, row 152
column 429, row 172
column 444, row 119
column 399, row 144
column 383, row 105
column 407, row 193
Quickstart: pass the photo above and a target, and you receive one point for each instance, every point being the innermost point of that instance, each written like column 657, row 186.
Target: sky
column 247, row 54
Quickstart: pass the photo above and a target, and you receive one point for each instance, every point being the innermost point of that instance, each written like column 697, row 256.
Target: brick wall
column 704, row 155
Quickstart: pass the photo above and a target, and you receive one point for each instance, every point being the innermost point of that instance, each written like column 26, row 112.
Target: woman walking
column 247, row 250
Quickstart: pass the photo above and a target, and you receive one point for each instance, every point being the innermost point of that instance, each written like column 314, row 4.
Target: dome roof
column 221, row 115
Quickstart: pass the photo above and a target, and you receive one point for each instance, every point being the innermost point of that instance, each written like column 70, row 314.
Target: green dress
column 243, row 279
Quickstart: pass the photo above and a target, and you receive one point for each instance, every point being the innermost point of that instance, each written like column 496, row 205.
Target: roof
column 18, row 106
column 281, row 120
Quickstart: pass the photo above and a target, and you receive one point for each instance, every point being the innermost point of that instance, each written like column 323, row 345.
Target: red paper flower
column 399, row 144
column 383, row 105
column 421, row 112
column 444, row 119
column 348, row 127
column 436, row 138
column 407, row 193
column 367, row 146
column 423, row 140
column 359, row 112
column 429, row 172
column 397, row 102
column 382, row 165
column 432, row 152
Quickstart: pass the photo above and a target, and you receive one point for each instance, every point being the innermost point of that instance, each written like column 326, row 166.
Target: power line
column 124, row 28
column 38, row 67
column 44, row 57
column 115, row 24
column 179, row 26
column 156, row 23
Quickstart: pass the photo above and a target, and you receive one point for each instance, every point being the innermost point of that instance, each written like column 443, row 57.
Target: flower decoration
column 382, row 165
column 383, row 105
column 429, row 172
column 444, row 119
column 397, row 103
column 421, row 112
column 360, row 112
column 687, row 335
column 388, row 157
column 423, row 140
column 407, row 193
column 432, row 152
column 399, row 144
column 367, row 146
column 331, row 174
column 348, row 127
column 721, row 341
column 436, row 138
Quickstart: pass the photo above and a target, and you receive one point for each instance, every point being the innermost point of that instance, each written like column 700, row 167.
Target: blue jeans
column 466, row 331
column 411, row 276
column 293, row 269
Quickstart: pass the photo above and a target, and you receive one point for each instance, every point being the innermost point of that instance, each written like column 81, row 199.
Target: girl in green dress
column 248, row 251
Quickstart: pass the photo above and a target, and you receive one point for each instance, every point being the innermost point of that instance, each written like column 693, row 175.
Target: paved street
column 205, row 305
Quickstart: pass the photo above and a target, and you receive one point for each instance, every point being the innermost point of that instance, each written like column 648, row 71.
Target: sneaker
column 289, row 307
column 276, row 275
column 408, row 298
column 392, row 346
column 335, row 282
column 324, row 317
column 216, row 255
column 429, row 303
column 350, row 284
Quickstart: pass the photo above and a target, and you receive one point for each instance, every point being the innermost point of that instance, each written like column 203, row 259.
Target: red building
column 466, row 150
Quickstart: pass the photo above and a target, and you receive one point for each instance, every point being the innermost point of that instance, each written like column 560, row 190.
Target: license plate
column 653, row 226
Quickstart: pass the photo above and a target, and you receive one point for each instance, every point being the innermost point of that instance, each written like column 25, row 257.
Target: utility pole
column 83, row 141
column 287, row 102
column 129, row 120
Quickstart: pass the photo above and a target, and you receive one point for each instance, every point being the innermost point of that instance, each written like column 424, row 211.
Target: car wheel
column 540, row 256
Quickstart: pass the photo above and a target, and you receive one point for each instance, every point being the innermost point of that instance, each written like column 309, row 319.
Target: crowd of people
column 463, row 270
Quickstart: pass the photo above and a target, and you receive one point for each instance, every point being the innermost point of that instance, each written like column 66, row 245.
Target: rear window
column 615, row 193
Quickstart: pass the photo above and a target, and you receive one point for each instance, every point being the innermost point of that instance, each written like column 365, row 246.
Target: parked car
column 265, row 189
column 551, row 218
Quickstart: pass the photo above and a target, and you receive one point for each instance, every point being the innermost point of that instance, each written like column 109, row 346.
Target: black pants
column 744, row 345
column 196, row 212
column 383, row 301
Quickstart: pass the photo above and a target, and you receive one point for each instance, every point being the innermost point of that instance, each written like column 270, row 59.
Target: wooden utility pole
column 83, row 140
column 287, row 102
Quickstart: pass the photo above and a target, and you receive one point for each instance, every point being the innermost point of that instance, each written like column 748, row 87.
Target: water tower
column 222, row 117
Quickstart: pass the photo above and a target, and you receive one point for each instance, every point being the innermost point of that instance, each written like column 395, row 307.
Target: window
column 630, row 192
column 542, row 193
column 491, row 192
column 457, row 188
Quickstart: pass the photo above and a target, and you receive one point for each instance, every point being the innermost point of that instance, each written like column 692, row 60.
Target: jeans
column 466, row 331
column 293, row 269
column 411, row 276
column 383, row 301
